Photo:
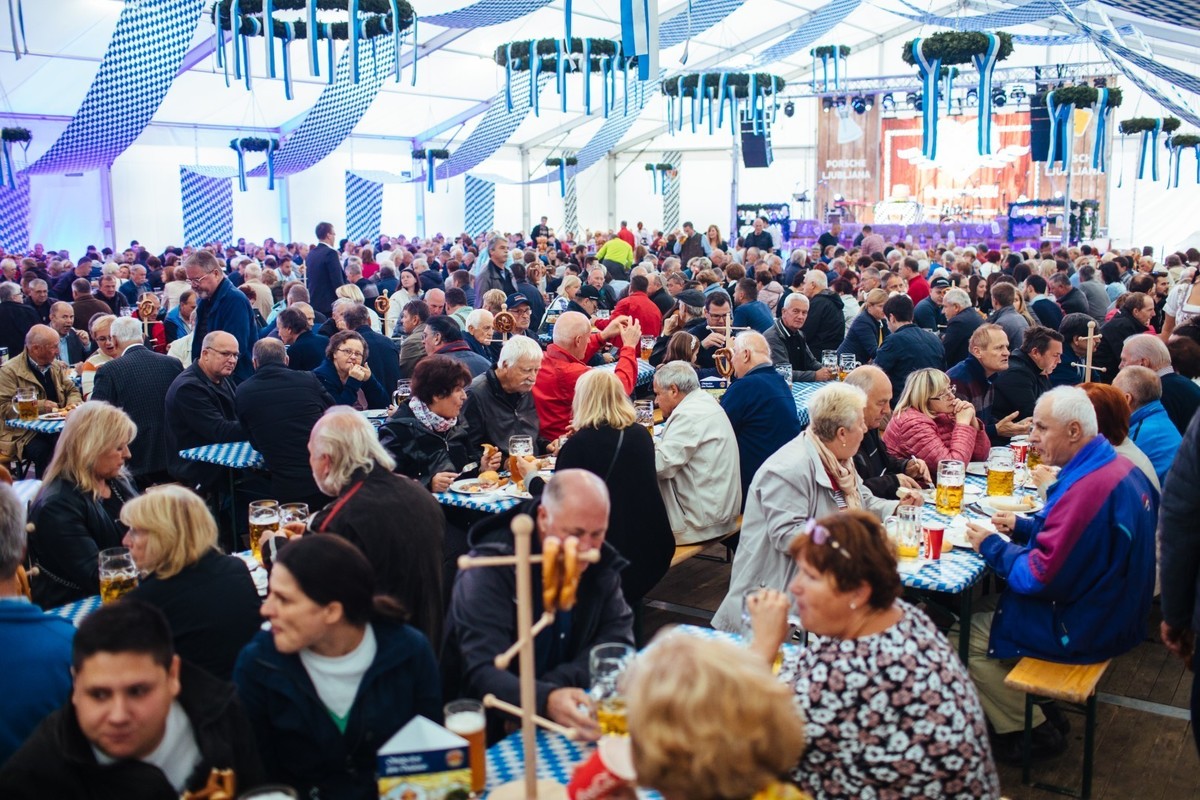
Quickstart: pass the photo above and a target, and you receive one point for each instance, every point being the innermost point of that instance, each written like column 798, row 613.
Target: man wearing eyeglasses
column 201, row 409
column 221, row 308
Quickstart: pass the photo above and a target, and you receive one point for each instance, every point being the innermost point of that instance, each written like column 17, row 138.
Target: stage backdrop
column 848, row 160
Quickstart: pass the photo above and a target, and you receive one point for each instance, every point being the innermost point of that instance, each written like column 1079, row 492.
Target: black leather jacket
column 420, row 452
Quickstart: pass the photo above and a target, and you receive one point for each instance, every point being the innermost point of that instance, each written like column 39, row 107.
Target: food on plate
column 488, row 479
column 1015, row 504
column 551, row 575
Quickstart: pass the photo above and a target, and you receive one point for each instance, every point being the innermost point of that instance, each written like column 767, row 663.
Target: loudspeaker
column 1039, row 134
column 756, row 148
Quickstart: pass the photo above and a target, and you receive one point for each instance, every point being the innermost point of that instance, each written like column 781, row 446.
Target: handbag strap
column 616, row 452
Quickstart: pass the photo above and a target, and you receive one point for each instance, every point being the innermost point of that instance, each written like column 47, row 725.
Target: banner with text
column 848, row 160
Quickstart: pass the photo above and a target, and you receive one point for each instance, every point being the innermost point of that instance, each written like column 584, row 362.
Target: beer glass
column 264, row 517
column 644, row 409
column 25, row 403
column 518, row 446
column 845, row 365
column 3, row 356
column 829, row 360
column 467, row 719
column 905, row 530
column 748, row 625
column 1000, row 472
column 292, row 512
column 403, row 392
column 606, row 667
column 647, row 347
column 948, row 496
column 118, row 573
column 785, row 372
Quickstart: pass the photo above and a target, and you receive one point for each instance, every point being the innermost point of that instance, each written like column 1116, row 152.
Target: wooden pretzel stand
column 723, row 356
column 146, row 310
column 1091, row 340
column 382, row 306
column 222, row 785
column 560, row 562
column 504, row 323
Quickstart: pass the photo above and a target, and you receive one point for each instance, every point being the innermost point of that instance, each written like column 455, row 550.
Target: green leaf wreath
column 736, row 84
column 957, row 47
column 1146, row 124
column 376, row 18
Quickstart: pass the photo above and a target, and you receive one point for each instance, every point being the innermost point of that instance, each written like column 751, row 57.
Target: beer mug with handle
column 905, row 530
column 606, row 666
column 25, row 403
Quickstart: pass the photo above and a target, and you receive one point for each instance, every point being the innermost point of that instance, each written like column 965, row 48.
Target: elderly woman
column 867, row 330
column 106, row 350
column 345, row 375
column 695, row 738
column 563, row 300
column 1112, row 417
column 494, row 300
column 208, row 598
column 932, row 424
column 930, row 738
column 77, row 512
column 811, row 476
column 348, row 291
column 337, row 674
column 427, row 435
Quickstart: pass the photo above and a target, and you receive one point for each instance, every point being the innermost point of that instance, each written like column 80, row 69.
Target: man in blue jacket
column 221, row 308
column 1079, row 573
column 908, row 348
column 759, row 405
column 1150, row 427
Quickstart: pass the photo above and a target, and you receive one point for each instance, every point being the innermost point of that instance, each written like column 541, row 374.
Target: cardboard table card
column 423, row 761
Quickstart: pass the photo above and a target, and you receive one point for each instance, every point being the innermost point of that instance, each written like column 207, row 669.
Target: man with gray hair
column 35, row 367
column 136, row 381
column 693, row 457
column 500, row 401
column 961, row 321
column 759, row 405
column 880, row 472
column 1150, row 427
column 36, row 645
column 494, row 274
column 1080, row 574
column 38, row 298
column 1180, row 396
column 16, row 318
column 785, row 338
column 825, row 326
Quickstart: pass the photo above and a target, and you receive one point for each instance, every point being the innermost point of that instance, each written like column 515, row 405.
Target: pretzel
column 146, row 308
column 504, row 321
column 551, row 576
column 570, row 574
column 221, row 785
column 382, row 303
column 723, row 361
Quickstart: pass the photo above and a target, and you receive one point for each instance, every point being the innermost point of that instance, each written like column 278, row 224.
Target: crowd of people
column 460, row 345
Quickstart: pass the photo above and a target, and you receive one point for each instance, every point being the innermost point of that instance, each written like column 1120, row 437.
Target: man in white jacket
column 696, row 458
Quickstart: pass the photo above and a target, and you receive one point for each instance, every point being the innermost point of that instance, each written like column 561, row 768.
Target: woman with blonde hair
column 712, row 238
column 562, row 301
column 106, row 350
column 931, row 424
column 351, row 292
column 208, row 598
column 721, row 729
column 493, row 300
column 77, row 512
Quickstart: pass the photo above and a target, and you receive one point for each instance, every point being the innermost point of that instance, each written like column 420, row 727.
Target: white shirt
column 177, row 755
column 336, row 678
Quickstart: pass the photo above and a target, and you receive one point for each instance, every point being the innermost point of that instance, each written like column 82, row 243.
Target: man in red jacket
column 626, row 235
column 566, row 361
column 918, row 287
column 637, row 304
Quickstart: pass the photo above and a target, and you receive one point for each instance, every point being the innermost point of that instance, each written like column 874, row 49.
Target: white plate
column 970, row 493
column 470, row 486
column 52, row 416
column 956, row 532
column 985, row 504
column 977, row 468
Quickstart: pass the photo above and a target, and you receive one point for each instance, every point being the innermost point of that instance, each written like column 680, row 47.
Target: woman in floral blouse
column 889, row 708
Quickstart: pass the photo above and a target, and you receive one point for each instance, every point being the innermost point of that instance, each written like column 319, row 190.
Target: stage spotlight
column 859, row 104
column 789, row 108
column 888, row 103
column 826, row 103
column 912, row 98
column 1017, row 93
column 972, row 98
column 918, row 102
column 999, row 98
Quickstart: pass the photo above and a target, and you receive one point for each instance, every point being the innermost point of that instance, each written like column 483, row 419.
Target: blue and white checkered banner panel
column 823, row 20
column 364, row 207
column 336, row 112
column 1030, row 12
column 571, row 204
column 138, row 68
column 486, row 12
column 479, row 205
column 14, row 215
column 1185, row 13
column 702, row 16
column 207, row 194
column 671, row 195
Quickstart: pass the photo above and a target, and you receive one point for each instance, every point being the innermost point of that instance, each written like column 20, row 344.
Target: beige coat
column 17, row 374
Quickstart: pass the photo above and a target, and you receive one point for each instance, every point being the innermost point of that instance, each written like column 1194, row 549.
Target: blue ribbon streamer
column 219, row 49
column 562, row 178
column 535, row 69
column 1101, row 137
column 948, row 89
column 271, row 167
column 1176, row 160
column 813, row 54
column 430, row 173
column 17, row 24
column 398, row 38
column 837, row 60
column 416, row 48
column 9, row 173
column 986, row 65
column 587, row 77
column 929, row 70
column 624, row 78
column 246, row 51
column 268, row 18
column 753, row 98
column 567, row 20
column 241, row 157
column 722, row 88
column 355, row 29
column 560, row 71
column 1062, row 130
column 327, row 30
column 654, row 179
column 235, row 16
column 508, row 76
column 289, row 29
column 606, row 81
column 314, row 60
column 687, row 44
column 824, row 73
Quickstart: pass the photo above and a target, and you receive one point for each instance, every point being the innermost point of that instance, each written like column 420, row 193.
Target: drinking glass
column 829, row 360
column 845, row 365
column 785, row 371
column 403, row 392
column 793, row 622
column 518, row 446
column 25, row 403
column 647, row 347
column 292, row 512
column 264, row 517
column 467, row 719
column 118, row 573
column 644, row 410
column 1000, row 472
column 606, row 667
column 948, row 496
column 905, row 530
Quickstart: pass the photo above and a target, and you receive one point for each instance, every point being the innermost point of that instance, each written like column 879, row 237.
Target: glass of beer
column 606, row 666
column 264, row 517
column 118, row 573
column 644, row 409
column 466, row 718
column 293, row 512
column 647, row 347
column 845, row 365
column 785, row 372
column 25, row 403
column 948, row 496
column 403, row 392
column 1000, row 472
column 905, row 530
column 518, row 446
column 1032, row 459
column 829, row 360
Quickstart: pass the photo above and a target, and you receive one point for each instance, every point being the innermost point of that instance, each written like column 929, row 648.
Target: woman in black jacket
column 208, row 598
column 76, row 513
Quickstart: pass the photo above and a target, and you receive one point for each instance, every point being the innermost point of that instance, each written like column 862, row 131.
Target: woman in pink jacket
column 931, row 424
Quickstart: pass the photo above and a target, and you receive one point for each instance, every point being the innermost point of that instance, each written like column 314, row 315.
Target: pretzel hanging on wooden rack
column 504, row 322
column 147, row 310
column 723, row 356
column 221, row 785
column 382, row 306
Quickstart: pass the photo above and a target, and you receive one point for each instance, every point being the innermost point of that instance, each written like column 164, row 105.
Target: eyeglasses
column 947, row 395
column 821, row 535
column 225, row 354
column 350, row 352
column 200, row 280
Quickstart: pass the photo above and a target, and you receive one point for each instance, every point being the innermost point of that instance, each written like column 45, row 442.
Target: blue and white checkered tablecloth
column 38, row 425
column 491, row 503
column 801, row 392
column 238, row 455
column 954, row 571
column 645, row 374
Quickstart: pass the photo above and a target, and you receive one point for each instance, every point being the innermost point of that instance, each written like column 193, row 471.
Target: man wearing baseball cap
column 586, row 301
column 929, row 314
column 518, row 306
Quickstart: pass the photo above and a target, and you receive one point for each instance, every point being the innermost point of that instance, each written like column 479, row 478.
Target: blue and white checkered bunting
column 1185, row 13
column 364, row 207
column 491, row 503
column 1005, row 18
column 207, row 194
column 497, row 125
column 138, row 68
column 703, row 14
column 671, row 196
column 485, row 12
column 571, row 202
column 823, row 20
column 14, row 215
column 479, row 203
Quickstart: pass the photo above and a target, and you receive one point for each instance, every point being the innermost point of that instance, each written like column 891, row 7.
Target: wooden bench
column 1074, row 684
column 683, row 553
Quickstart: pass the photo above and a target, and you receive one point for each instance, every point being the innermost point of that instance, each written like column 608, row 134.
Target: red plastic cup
column 608, row 773
column 933, row 541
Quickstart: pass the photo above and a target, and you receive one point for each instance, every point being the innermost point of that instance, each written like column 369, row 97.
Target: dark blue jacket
column 1180, row 397
column 383, row 357
column 308, row 351
column 907, row 350
column 1179, row 565
column 298, row 742
column 325, row 275
column 763, row 414
column 346, row 394
column 37, row 670
column 956, row 337
column 863, row 337
column 754, row 315
column 227, row 309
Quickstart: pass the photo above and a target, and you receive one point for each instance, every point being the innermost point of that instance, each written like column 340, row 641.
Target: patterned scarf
column 434, row 422
column 841, row 473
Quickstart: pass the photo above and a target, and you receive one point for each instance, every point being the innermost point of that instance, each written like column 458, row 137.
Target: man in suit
column 38, row 298
column 71, row 344
column 36, row 368
column 324, row 270
column 383, row 356
column 136, row 381
column 278, row 407
column 306, row 349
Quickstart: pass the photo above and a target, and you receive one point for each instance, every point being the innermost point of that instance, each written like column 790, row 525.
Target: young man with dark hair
column 908, row 348
column 140, row 723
